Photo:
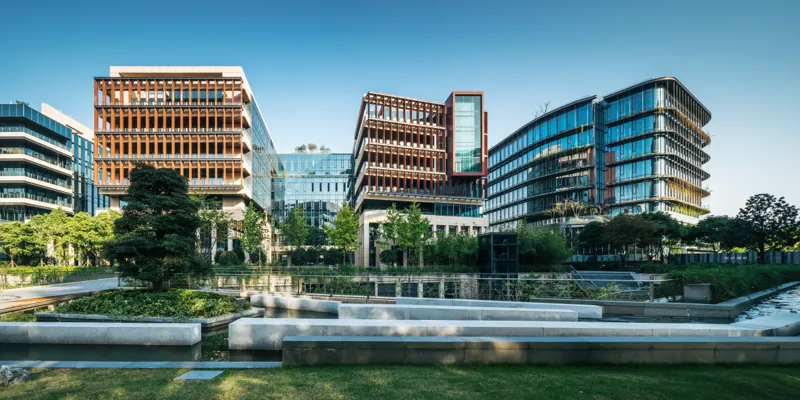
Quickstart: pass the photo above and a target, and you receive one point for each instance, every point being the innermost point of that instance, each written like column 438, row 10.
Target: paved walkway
column 17, row 297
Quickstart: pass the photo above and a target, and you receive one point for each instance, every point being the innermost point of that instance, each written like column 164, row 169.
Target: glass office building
column 319, row 183
column 35, row 163
column 636, row 150
column 45, row 163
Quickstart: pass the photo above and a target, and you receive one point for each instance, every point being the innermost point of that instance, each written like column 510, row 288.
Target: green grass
column 440, row 383
column 24, row 316
column 177, row 303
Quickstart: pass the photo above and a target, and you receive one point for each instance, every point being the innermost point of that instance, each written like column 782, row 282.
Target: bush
column 730, row 281
column 239, row 253
column 179, row 304
column 228, row 258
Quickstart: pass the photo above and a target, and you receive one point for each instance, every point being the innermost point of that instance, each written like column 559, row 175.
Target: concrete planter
column 100, row 333
column 206, row 324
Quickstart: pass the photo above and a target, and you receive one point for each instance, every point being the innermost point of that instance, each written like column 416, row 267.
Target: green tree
column 295, row 230
column 14, row 237
column 591, row 237
column 389, row 231
column 79, row 236
column 214, row 224
column 414, row 232
column 155, row 238
column 542, row 247
column 40, row 236
column 344, row 231
column 253, row 233
column 668, row 233
column 772, row 224
column 625, row 231
column 102, row 232
column 57, row 231
column 719, row 233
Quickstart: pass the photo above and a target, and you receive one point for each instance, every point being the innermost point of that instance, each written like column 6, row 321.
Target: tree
column 415, row 231
column 312, row 147
column 102, row 231
column 300, row 149
column 155, row 237
column 389, row 232
column 324, row 149
column 624, row 231
column 79, row 236
column 772, row 224
column 252, row 233
column 57, row 231
column 668, row 233
column 719, row 233
column 295, row 230
column 213, row 222
column 591, row 236
column 344, row 231
column 541, row 247
column 14, row 236
column 40, row 236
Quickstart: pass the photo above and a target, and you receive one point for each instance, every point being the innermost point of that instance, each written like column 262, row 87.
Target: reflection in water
column 214, row 347
column 788, row 301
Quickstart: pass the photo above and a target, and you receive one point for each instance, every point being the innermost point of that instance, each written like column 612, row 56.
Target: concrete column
column 419, row 289
column 441, row 288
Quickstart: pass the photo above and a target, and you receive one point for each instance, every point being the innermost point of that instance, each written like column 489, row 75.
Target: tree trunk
column 405, row 258
column 290, row 256
column 420, row 258
column 344, row 256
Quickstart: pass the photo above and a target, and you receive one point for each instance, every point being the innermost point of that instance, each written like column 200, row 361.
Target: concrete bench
column 584, row 311
column 328, row 350
column 268, row 334
column 100, row 333
column 405, row 312
column 294, row 303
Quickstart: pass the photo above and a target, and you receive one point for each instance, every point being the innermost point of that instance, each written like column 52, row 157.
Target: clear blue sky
column 309, row 62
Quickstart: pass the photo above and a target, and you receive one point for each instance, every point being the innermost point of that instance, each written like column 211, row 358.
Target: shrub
column 730, row 281
column 228, row 258
column 180, row 304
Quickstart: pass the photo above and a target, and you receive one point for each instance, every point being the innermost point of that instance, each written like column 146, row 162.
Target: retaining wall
column 326, row 350
column 268, row 333
column 727, row 310
column 295, row 303
column 415, row 312
column 207, row 324
column 584, row 311
column 100, row 333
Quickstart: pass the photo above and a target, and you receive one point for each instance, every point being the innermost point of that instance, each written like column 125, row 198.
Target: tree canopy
column 155, row 237
column 772, row 223
column 343, row 233
column 295, row 230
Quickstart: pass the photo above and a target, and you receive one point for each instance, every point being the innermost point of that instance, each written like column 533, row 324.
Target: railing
column 36, row 135
column 37, row 155
column 26, row 195
column 508, row 287
column 26, row 173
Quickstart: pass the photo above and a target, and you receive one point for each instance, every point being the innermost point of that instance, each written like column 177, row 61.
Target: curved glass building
column 636, row 150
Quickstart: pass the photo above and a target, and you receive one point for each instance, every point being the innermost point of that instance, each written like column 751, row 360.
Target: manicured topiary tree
column 155, row 237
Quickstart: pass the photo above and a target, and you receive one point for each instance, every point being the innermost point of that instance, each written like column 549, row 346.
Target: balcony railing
column 38, row 177
column 31, row 196
column 37, row 155
column 36, row 135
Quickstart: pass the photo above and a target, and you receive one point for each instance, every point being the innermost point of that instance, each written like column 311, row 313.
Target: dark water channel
column 213, row 347
column 788, row 301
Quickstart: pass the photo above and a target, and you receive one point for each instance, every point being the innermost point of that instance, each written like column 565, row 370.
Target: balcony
column 28, row 155
column 10, row 132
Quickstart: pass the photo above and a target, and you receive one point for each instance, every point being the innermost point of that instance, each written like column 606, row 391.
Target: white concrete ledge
column 205, row 323
column 366, row 350
column 294, row 303
column 142, row 334
column 406, row 312
column 584, row 311
column 268, row 334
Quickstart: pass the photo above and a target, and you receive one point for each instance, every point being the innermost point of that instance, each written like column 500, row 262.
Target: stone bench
column 206, row 324
column 328, row 350
column 415, row 312
column 268, row 333
column 294, row 303
column 100, row 333
column 584, row 311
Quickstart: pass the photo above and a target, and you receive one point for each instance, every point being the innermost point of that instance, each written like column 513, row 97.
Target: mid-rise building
column 636, row 150
column 409, row 150
column 201, row 121
column 36, row 163
column 86, row 197
column 318, row 183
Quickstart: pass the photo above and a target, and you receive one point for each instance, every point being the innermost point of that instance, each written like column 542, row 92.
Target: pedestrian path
column 14, row 298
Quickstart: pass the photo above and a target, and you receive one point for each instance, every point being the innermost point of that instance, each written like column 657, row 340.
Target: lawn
column 430, row 382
